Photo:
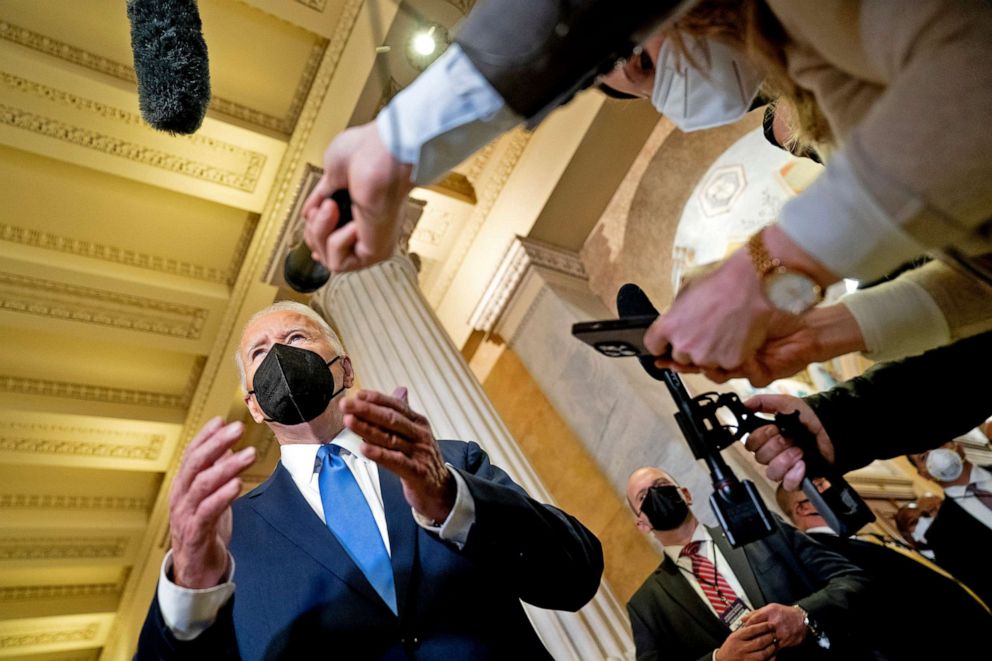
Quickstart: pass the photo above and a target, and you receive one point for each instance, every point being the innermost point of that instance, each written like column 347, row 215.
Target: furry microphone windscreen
column 170, row 60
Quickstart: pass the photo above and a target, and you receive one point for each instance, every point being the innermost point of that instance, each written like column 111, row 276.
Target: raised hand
column 200, row 503
column 401, row 440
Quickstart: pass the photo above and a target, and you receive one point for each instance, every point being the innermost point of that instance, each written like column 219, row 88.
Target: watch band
column 763, row 262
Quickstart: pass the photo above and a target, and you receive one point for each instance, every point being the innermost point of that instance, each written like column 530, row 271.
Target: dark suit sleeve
column 838, row 606
column 646, row 636
column 217, row 642
column 534, row 52
column 908, row 406
column 548, row 557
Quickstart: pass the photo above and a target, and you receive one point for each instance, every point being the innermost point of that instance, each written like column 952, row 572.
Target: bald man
column 783, row 597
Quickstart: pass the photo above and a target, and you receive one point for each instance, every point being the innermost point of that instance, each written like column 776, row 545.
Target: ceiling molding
column 62, row 548
column 117, row 255
column 90, row 392
column 245, row 178
column 39, row 42
column 43, row 438
column 59, row 300
column 76, row 634
column 316, row 5
column 49, row 501
column 38, row 592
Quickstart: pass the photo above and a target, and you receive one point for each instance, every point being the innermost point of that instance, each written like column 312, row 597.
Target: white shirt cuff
column 456, row 527
column 189, row 612
column 897, row 319
column 838, row 221
column 445, row 115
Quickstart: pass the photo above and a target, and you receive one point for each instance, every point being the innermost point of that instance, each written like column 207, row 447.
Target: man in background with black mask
column 784, row 596
column 370, row 540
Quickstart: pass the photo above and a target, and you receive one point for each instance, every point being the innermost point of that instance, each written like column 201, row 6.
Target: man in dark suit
column 784, row 596
column 961, row 530
column 903, row 582
column 370, row 540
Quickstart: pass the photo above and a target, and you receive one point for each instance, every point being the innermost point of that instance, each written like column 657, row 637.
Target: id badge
column 733, row 617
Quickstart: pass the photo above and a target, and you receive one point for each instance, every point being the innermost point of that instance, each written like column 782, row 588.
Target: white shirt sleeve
column 444, row 116
column 898, row 318
column 456, row 527
column 189, row 612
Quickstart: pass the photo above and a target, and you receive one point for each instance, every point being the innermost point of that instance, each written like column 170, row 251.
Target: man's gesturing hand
column 200, row 503
column 401, row 440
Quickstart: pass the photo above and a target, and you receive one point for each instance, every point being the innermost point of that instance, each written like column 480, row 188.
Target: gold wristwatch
column 785, row 289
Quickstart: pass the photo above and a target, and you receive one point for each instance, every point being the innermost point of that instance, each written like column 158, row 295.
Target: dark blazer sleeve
column 548, row 557
column 534, row 52
column 217, row 642
column 647, row 633
column 838, row 605
column 907, row 406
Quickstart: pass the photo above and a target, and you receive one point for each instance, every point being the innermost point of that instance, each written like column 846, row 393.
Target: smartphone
column 616, row 338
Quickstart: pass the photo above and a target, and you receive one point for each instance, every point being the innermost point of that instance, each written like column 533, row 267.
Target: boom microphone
column 170, row 61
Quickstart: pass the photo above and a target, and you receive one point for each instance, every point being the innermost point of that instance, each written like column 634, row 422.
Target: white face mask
column 695, row 99
column 944, row 465
column 920, row 531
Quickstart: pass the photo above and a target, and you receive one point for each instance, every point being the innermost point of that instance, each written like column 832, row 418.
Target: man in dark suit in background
column 961, row 532
column 370, row 540
column 903, row 583
column 784, row 596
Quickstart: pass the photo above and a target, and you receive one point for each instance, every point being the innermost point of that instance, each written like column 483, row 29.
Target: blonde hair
column 288, row 306
column 751, row 26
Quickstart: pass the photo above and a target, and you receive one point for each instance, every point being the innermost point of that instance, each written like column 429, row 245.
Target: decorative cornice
column 62, row 548
column 34, row 592
column 456, row 185
column 244, row 180
column 316, row 5
column 45, row 438
column 29, row 386
column 521, row 255
column 117, row 255
column 487, row 199
column 73, row 635
column 36, row 501
column 59, row 300
column 120, row 71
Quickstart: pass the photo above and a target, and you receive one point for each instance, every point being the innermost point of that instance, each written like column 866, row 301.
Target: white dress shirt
column 189, row 612
column 972, row 505
column 709, row 550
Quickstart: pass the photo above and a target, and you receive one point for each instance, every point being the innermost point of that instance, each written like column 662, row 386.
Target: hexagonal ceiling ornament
column 722, row 189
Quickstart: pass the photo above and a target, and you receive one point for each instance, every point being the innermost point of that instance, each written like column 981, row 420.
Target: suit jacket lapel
column 739, row 565
column 674, row 583
column 283, row 507
column 402, row 535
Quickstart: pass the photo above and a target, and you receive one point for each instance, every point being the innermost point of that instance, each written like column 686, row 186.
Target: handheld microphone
column 839, row 504
column 170, row 62
column 736, row 503
column 299, row 269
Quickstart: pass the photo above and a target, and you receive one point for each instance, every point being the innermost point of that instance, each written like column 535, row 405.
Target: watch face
column 791, row 292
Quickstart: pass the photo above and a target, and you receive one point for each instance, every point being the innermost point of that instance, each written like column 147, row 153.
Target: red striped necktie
column 714, row 585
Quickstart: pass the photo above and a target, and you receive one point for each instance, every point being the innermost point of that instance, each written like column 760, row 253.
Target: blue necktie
column 350, row 519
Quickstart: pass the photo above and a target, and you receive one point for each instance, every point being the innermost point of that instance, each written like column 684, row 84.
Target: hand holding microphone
column 357, row 160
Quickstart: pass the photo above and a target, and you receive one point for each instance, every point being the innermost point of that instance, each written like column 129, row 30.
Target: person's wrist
column 188, row 575
column 437, row 507
column 835, row 331
column 790, row 255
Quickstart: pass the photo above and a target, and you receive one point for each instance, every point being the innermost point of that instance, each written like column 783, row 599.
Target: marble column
column 395, row 339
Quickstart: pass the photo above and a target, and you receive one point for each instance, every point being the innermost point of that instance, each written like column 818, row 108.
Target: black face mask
column 664, row 507
column 293, row 385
